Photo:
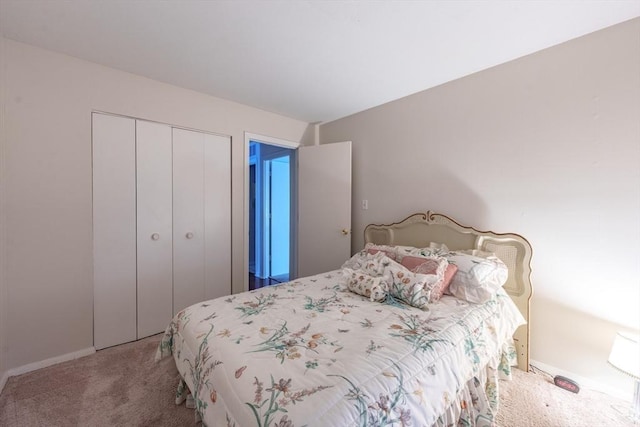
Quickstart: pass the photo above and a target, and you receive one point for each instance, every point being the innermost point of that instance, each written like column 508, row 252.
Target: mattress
column 310, row 352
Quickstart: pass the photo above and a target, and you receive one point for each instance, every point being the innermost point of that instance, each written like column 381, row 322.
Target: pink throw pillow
column 390, row 254
column 423, row 265
column 427, row 265
column 448, row 276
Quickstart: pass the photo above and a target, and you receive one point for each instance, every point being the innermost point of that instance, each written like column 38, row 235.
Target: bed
column 313, row 352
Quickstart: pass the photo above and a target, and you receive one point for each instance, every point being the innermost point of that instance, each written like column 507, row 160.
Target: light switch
column 365, row 205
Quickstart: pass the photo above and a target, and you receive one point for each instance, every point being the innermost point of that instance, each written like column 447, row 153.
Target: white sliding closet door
column 161, row 224
column 201, row 217
column 188, row 218
column 114, row 230
column 154, row 227
column 217, row 214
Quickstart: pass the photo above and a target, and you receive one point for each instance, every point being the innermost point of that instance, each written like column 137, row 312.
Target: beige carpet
column 122, row 386
column 532, row 400
column 118, row 386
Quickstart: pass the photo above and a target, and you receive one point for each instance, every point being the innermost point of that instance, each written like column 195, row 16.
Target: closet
column 161, row 224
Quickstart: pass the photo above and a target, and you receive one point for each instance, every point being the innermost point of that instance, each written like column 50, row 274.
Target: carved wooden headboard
column 420, row 229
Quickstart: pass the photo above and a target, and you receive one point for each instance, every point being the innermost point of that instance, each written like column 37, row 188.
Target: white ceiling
column 311, row 60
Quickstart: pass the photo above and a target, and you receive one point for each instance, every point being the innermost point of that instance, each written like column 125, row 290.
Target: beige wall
column 547, row 146
column 3, row 283
column 47, row 103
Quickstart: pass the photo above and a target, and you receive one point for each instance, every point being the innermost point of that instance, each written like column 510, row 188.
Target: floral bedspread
column 310, row 352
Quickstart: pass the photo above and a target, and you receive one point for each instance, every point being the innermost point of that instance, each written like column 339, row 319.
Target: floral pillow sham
column 372, row 263
column 413, row 288
column 363, row 284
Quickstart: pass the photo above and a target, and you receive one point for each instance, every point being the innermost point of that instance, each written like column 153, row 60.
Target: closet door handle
column 189, row 235
column 155, row 236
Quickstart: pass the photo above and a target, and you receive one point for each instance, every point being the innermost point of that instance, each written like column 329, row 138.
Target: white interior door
column 154, row 227
column 114, row 230
column 324, row 207
column 188, row 218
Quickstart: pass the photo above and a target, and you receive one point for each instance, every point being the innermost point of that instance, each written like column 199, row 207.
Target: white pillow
column 479, row 276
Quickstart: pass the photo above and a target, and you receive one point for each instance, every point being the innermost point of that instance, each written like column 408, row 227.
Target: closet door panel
column 114, row 230
column 217, row 212
column 188, row 218
column 154, row 227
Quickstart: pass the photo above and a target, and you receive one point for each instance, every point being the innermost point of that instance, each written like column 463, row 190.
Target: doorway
column 271, row 184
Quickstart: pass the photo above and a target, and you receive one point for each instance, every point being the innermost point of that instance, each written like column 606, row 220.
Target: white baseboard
column 584, row 382
column 45, row 363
